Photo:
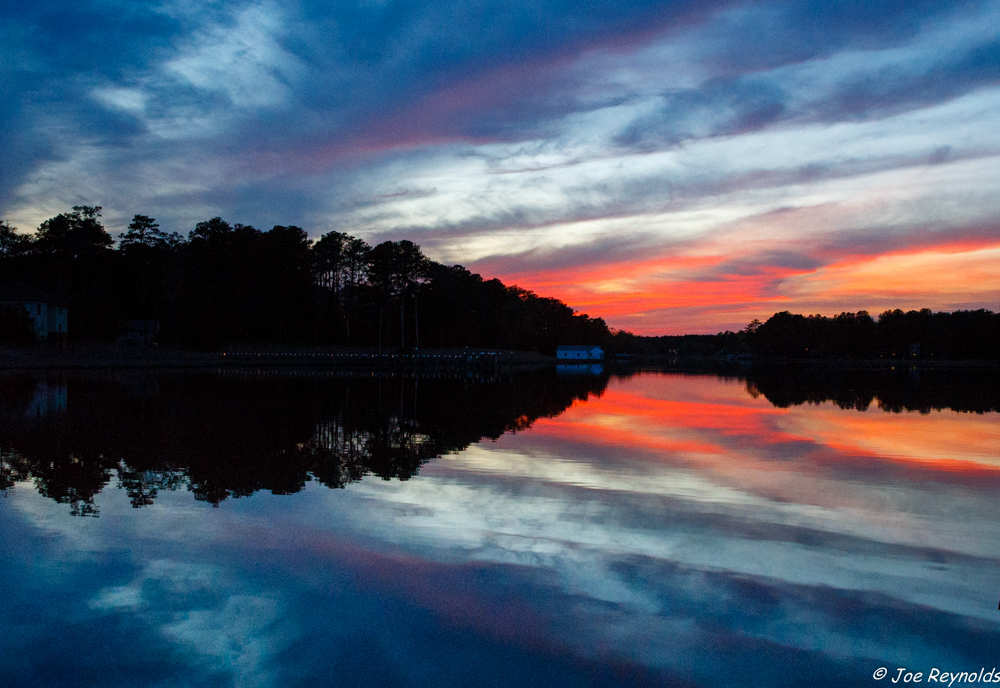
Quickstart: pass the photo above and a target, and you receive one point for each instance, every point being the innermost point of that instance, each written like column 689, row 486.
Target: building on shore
column 579, row 352
column 49, row 315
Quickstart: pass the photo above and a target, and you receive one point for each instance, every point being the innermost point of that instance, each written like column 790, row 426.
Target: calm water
column 246, row 529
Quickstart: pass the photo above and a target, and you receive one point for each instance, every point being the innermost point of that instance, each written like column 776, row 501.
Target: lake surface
column 250, row 528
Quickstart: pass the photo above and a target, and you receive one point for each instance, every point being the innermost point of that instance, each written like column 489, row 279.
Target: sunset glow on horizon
column 670, row 167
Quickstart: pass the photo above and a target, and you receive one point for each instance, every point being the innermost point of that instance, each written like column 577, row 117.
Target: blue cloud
column 276, row 109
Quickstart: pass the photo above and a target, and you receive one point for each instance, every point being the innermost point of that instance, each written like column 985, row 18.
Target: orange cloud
column 939, row 276
column 713, row 285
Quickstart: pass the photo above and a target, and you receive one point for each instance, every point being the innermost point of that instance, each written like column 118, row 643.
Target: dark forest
column 895, row 335
column 227, row 284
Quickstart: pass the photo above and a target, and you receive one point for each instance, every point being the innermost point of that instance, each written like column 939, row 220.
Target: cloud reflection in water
column 673, row 530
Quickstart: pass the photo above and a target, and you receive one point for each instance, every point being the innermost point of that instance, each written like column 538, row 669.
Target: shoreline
column 98, row 356
column 106, row 356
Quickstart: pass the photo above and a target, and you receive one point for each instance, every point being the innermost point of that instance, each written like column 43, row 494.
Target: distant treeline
column 923, row 334
column 234, row 284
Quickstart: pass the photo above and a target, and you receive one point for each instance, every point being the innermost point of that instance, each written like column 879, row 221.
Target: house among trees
column 579, row 352
column 50, row 316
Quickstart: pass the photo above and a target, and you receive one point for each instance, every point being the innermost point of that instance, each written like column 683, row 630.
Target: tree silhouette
column 144, row 231
column 396, row 268
column 13, row 243
column 286, row 276
column 16, row 326
column 71, row 258
column 895, row 334
column 73, row 235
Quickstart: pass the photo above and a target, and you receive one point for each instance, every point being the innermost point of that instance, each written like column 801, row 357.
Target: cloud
column 513, row 138
column 244, row 61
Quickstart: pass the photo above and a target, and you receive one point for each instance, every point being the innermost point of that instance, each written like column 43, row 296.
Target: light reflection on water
column 663, row 529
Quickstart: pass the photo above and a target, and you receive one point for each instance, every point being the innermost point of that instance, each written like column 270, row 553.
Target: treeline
column 234, row 284
column 895, row 334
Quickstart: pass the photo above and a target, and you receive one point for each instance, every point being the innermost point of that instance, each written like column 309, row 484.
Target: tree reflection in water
column 232, row 434
column 896, row 389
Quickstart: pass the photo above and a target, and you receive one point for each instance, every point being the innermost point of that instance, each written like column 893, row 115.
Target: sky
column 672, row 167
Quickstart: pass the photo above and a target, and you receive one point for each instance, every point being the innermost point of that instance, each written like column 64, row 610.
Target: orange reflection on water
column 810, row 454
column 944, row 440
column 702, row 414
